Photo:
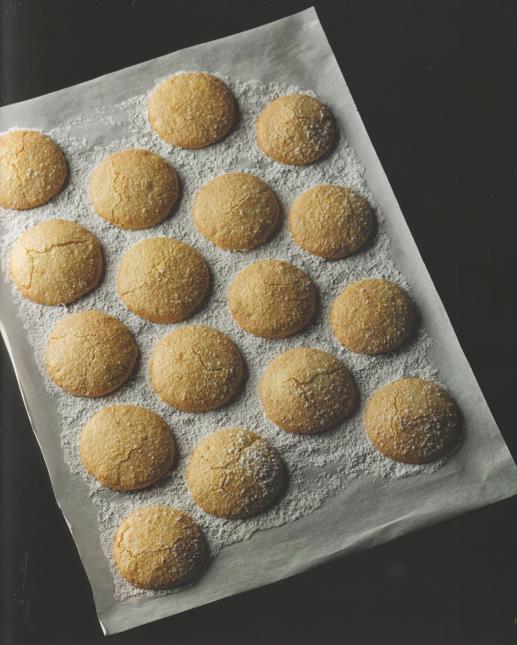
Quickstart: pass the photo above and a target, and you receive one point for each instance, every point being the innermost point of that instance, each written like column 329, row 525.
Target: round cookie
column 236, row 211
column 32, row 169
column 295, row 129
column 159, row 547
column 307, row 390
column 134, row 189
column 272, row 298
column 372, row 316
column 196, row 368
column 56, row 262
column 412, row 420
column 162, row 279
column 90, row 354
column 191, row 110
column 234, row 473
column 330, row 221
column 127, row 447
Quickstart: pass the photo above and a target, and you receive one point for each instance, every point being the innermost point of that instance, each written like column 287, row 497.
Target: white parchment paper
column 292, row 51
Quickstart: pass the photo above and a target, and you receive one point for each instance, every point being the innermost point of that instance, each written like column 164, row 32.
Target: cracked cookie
column 159, row 547
column 295, row 129
column 191, row 110
column 234, row 473
column 196, row 368
column 372, row 316
column 330, row 221
column 56, row 262
column 162, row 279
column 32, row 169
column 90, row 354
column 134, row 189
column 307, row 390
column 272, row 299
column 236, row 211
column 127, row 447
column 412, row 420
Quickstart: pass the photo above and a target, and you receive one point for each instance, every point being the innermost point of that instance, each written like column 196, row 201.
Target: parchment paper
column 294, row 51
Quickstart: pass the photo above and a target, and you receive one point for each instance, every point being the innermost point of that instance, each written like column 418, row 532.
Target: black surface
column 435, row 83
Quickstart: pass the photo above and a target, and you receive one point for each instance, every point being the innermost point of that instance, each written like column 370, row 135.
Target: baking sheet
column 293, row 51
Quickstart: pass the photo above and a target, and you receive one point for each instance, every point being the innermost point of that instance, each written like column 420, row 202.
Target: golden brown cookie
column 162, row 279
column 159, row 547
column 412, row 420
column 272, row 298
column 134, row 189
column 372, row 316
column 90, row 354
column 306, row 390
column 191, row 110
column 330, row 221
column 236, row 211
column 56, row 262
column 234, row 473
column 295, row 129
column 196, row 368
column 32, row 169
column 127, row 447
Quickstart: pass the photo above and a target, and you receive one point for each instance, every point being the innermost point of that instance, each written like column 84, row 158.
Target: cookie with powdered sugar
column 33, row 169
column 191, row 110
column 307, row 390
column 295, row 129
column 159, row 547
column 234, row 473
column 412, row 420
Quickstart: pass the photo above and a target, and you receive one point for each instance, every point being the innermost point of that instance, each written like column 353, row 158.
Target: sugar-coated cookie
column 90, row 354
column 330, row 221
column 56, row 262
column 162, row 279
column 234, row 473
column 196, row 368
column 372, row 316
column 295, row 129
column 272, row 298
column 134, row 189
column 191, row 110
column 412, row 420
column 32, row 169
column 159, row 547
column 236, row 211
column 127, row 447
column 307, row 390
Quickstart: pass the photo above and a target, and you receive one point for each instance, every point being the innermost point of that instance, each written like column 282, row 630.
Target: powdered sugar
column 318, row 465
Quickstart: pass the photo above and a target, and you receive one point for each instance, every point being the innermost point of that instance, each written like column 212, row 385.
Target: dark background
column 435, row 82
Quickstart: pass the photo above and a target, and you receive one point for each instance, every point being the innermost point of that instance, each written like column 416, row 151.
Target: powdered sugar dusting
column 318, row 465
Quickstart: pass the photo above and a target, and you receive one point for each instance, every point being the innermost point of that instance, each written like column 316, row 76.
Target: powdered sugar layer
column 318, row 465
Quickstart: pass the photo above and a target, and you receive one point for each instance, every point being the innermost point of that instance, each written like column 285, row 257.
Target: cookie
column 330, row 221
column 372, row 316
column 90, row 354
column 32, row 169
column 191, row 110
column 162, row 279
column 134, row 189
column 236, row 211
column 234, row 473
column 307, row 390
column 296, row 129
column 127, row 447
column 159, row 547
column 272, row 298
column 412, row 420
column 196, row 368
column 56, row 262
